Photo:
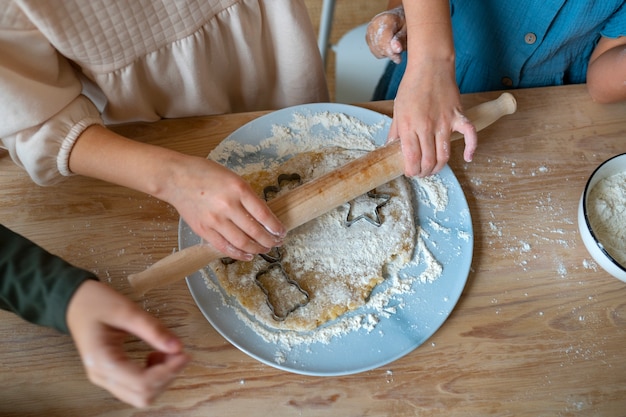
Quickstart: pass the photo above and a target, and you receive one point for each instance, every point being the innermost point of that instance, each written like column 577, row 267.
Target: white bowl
column 612, row 166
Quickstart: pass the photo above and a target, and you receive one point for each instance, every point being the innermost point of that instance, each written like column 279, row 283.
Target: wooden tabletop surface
column 540, row 329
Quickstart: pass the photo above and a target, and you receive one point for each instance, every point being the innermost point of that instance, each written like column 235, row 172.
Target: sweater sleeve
column 35, row 284
column 42, row 109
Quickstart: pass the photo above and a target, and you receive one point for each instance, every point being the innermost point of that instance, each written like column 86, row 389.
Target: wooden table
column 540, row 329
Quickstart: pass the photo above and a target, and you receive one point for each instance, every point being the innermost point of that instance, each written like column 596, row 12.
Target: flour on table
column 606, row 208
column 313, row 132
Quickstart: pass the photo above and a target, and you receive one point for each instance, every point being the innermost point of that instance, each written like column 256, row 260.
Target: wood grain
column 539, row 329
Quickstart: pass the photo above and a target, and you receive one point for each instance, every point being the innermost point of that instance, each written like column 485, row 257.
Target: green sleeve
column 35, row 284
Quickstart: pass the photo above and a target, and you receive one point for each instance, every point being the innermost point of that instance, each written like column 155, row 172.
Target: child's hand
column 427, row 109
column 386, row 34
column 100, row 319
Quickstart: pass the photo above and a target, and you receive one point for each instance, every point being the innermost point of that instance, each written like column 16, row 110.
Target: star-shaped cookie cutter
column 375, row 219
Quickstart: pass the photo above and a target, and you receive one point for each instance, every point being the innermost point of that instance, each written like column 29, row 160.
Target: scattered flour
column 310, row 132
column 590, row 264
column 378, row 305
column 305, row 133
column 337, row 264
column 528, row 248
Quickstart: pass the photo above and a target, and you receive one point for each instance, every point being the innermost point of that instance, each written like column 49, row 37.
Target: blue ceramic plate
column 449, row 239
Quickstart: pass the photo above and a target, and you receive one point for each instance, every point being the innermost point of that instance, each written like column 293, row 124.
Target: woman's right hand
column 386, row 34
column 216, row 203
column 223, row 209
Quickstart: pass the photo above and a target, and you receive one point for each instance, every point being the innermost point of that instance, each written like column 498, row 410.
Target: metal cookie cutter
column 271, row 190
column 278, row 296
column 375, row 219
column 274, row 255
column 286, row 296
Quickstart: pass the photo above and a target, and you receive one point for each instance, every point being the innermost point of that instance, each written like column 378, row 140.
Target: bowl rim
column 586, row 217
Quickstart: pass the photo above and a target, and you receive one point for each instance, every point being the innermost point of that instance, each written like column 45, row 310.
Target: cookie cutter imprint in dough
column 279, row 308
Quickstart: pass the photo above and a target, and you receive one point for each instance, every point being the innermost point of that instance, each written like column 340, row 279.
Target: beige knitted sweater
column 68, row 64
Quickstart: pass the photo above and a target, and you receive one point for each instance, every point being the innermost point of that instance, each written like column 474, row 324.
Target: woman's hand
column 223, row 209
column 386, row 34
column 216, row 203
column 100, row 320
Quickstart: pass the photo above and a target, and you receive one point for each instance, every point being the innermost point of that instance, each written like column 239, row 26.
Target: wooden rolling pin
column 316, row 197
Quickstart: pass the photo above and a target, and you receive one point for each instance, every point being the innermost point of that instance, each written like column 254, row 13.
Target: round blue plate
column 449, row 238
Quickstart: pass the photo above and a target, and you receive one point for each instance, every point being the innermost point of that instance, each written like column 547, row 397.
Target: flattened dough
column 336, row 265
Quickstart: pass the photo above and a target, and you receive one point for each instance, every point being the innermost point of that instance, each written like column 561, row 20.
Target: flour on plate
column 312, row 132
column 328, row 265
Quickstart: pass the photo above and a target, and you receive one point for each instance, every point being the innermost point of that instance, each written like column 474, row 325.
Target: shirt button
column 507, row 82
column 530, row 38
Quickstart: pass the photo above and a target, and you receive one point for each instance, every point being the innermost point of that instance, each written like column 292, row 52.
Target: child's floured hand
column 100, row 320
column 386, row 34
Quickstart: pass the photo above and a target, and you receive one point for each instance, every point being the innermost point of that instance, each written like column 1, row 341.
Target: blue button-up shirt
column 522, row 43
